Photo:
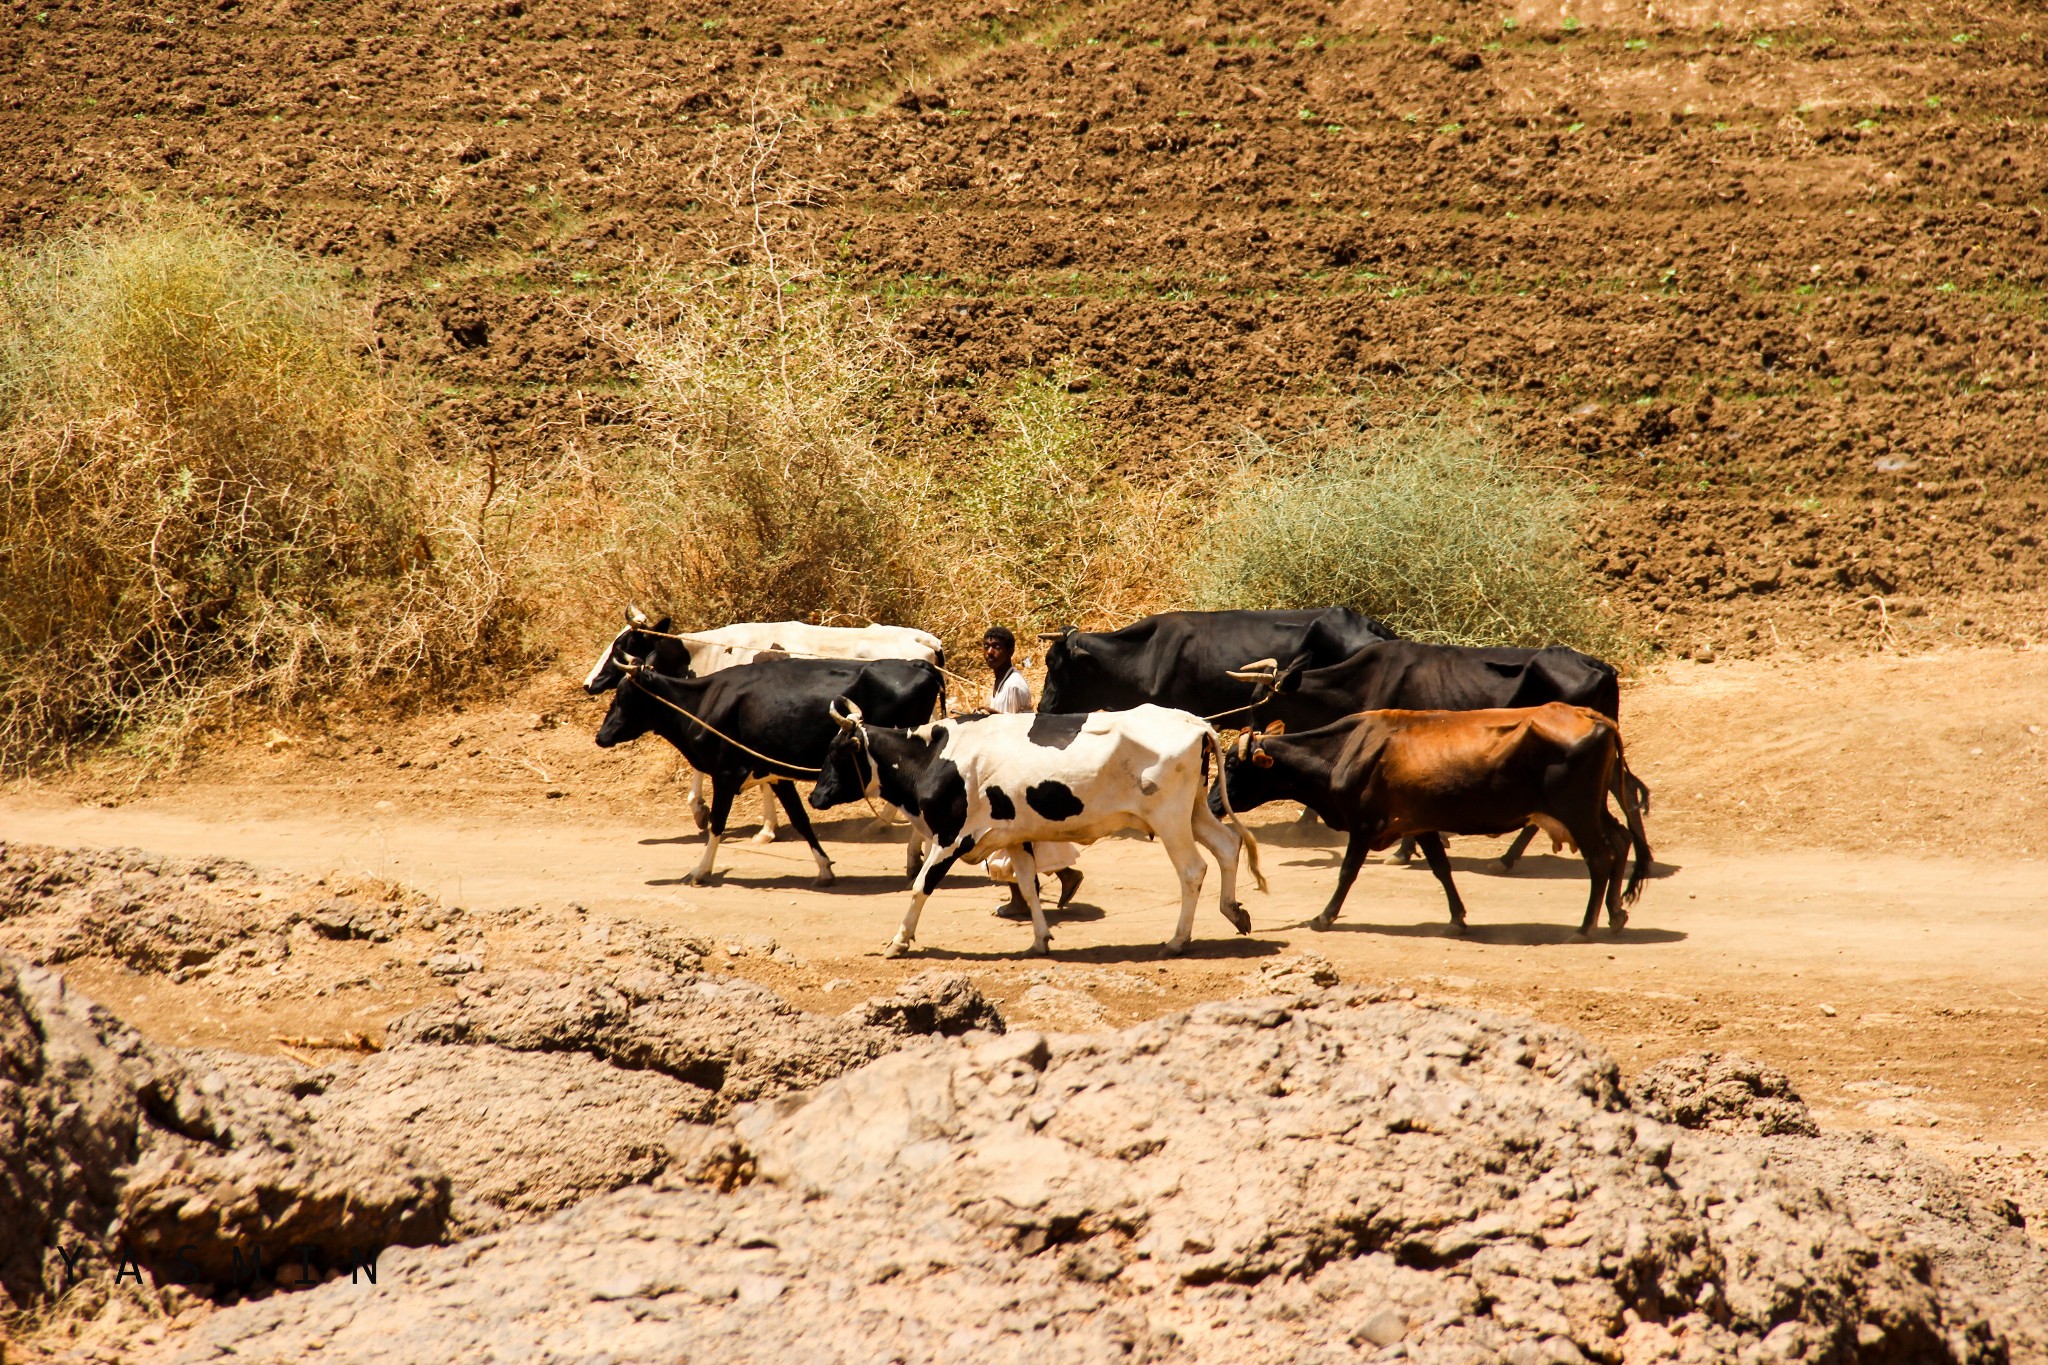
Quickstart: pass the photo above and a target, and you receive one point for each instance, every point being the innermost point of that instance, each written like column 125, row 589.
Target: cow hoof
column 897, row 948
column 1507, row 864
column 1040, row 950
column 694, row 879
column 1582, row 937
column 763, row 836
column 822, row 881
column 1172, row 949
column 702, row 819
column 1239, row 920
column 1460, row 929
column 1322, row 922
column 1617, row 923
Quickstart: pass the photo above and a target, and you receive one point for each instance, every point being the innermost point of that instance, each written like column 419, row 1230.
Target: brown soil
column 1770, row 277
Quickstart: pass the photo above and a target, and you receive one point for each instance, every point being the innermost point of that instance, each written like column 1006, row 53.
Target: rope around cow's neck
column 794, row 767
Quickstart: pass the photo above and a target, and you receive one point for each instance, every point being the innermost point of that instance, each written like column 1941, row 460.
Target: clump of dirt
column 1293, row 1179
column 730, row 1040
column 1725, row 1093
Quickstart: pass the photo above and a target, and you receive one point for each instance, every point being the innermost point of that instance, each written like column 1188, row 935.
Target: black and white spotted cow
column 699, row 654
column 779, row 709
column 976, row 784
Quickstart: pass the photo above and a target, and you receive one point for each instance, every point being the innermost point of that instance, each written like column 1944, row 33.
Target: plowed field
column 1769, row 277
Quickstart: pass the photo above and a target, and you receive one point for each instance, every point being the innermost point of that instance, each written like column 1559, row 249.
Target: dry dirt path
column 1899, row 991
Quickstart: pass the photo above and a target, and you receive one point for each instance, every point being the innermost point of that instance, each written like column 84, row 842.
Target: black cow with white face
column 1409, row 675
column 976, row 784
column 780, row 708
column 1183, row 659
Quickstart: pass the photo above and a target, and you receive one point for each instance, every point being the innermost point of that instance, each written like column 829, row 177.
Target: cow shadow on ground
column 843, row 883
column 1523, row 935
column 1106, row 954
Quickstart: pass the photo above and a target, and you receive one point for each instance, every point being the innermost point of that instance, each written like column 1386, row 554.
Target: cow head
column 640, row 639
column 1066, row 662
column 632, row 712
column 849, row 771
column 1249, row 776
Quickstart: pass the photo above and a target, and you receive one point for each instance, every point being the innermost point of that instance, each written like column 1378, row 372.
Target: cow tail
column 1625, row 786
column 944, row 709
column 1212, row 743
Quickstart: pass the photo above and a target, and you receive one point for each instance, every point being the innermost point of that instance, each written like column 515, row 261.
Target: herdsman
column 1010, row 694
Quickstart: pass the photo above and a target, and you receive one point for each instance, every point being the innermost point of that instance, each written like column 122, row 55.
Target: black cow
column 1410, row 675
column 780, row 708
column 1385, row 775
column 1182, row 659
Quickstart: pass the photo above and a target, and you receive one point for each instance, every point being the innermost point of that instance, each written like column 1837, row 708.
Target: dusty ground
column 1851, row 879
column 1770, row 276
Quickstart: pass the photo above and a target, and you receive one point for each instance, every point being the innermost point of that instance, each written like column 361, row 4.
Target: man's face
column 998, row 655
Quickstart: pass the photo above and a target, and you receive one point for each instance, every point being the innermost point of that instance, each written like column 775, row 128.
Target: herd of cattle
column 1385, row 739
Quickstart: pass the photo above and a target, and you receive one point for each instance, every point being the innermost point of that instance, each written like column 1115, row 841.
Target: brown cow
column 1388, row 775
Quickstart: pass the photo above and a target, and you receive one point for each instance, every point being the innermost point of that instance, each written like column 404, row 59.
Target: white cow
column 699, row 653
column 973, row 785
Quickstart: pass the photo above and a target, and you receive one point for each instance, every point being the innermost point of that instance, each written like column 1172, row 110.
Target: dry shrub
column 208, row 496
column 783, row 471
column 760, row 488
column 1426, row 523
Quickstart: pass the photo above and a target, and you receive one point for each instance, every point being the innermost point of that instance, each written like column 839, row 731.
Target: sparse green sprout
column 711, row 25
column 1571, row 23
column 1447, row 129
column 1764, row 40
column 1575, row 128
column 1306, row 40
column 1637, row 44
column 1961, row 38
column 1934, row 101
column 1945, row 287
column 1307, row 116
column 1868, row 123
column 1509, row 23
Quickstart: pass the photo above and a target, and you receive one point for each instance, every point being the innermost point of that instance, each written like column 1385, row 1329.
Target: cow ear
column 1261, row 759
column 662, row 626
column 1278, row 727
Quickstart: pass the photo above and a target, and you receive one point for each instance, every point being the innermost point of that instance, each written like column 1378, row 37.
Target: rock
column 944, row 1003
column 108, row 1140
column 730, row 1039
column 448, row 965
column 1723, row 1092
column 1474, row 1187
column 1383, row 1328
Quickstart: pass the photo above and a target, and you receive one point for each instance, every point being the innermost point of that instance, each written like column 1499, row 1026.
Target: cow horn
column 1278, row 727
column 846, row 712
column 635, row 616
column 1048, row 636
column 1259, row 670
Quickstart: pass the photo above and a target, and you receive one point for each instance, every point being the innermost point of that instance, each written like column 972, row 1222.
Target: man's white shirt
column 1011, row 696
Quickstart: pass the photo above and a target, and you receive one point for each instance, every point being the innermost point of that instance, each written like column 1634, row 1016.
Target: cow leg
column 722, row 792
column 1404, row 853
column 698, row 814
column 1617, row 839
column 1354, row 857
column 913, row 851
column 1224, row 845
column 799, row 817
column 769, row 793
column 1025, row 863
column 935, row 867
column 1591, row 836
column 1179, row 844
column 1517, row 848
column 1439, row 862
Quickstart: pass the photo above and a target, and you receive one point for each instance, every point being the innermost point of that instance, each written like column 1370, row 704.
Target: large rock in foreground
column 112, row 1145
column 1327, row 1178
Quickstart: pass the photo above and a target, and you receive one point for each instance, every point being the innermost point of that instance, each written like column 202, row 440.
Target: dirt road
column 1812, row 907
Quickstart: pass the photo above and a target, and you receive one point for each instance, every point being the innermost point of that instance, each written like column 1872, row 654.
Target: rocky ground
column 642, row 1160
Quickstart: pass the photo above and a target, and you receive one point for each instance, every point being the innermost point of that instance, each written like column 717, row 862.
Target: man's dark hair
column 1001, row 635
